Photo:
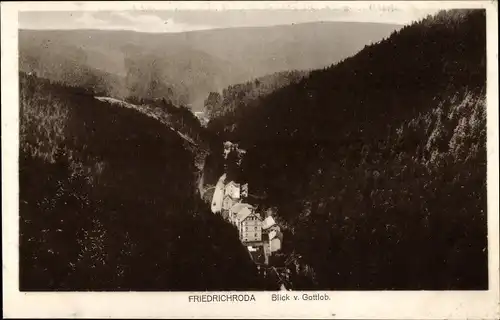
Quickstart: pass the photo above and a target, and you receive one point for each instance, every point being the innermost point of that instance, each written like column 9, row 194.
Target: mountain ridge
column 194, row 63
column 218, row 29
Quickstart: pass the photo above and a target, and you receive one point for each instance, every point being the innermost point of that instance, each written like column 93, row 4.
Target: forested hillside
column 377, row 164
column 197, row 139
column 107, row 202
column 68, row 65
column 185, row 67
column 234, row 99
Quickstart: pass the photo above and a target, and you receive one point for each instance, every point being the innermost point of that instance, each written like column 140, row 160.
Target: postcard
column 250, row 159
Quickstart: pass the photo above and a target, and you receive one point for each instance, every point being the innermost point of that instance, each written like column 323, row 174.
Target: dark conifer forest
column 107, row 202
column 377, row 164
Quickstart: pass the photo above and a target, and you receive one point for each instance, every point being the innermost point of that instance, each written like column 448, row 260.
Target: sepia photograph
column 232, row 150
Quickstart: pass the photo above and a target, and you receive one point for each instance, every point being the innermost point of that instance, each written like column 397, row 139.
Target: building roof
column 228, row 196
column 232, row 182
column 268, row 222
column 232, row 189
column 243, row 214
column 239, row 206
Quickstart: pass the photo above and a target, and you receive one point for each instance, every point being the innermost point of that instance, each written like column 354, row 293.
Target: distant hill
column 107, row 201
column 185, row 67
column 377, row 164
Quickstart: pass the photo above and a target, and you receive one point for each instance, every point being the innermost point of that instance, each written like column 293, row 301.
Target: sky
column 191, row 20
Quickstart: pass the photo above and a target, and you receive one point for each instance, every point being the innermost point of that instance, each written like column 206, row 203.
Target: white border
column 360, row 304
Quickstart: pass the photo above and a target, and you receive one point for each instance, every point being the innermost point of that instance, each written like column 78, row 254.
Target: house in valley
column 228, row 202
column 249, row 225
column 268, row 223
column 275, row 240
column 272, row 236
column 236, row 209
column 218, row 195
column 217, row 202
column 271, row 243
column 232, row 189
column 232, row 197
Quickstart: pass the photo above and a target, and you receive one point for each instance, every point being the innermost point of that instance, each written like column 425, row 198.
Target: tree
column 212, row 104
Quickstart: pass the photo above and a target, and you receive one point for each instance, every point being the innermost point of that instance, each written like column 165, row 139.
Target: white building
column 232, row 189
column 217, row 199
column 249, row 226
column 268, row 223
column 228, row 202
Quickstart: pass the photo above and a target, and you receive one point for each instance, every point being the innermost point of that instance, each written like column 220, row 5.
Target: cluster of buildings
column 258, row 231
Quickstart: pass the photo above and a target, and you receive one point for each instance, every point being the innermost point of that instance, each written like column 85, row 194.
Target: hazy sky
column 189, row 20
